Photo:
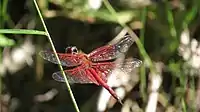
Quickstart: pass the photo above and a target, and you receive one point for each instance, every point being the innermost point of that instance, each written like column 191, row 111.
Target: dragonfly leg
column 105, row 85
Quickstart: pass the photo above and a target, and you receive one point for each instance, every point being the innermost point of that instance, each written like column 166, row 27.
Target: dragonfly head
column 71, row 50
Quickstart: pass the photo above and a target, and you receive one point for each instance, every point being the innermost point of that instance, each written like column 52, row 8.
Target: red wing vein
column 67, row 60
column 76, row 75
column 104, row 69
column 110, row 52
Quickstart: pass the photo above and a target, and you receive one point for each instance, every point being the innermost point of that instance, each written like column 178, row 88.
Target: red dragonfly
column 93, row 67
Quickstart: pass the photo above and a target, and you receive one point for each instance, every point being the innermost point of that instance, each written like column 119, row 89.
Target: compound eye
column 74, row 50
column 68, row 50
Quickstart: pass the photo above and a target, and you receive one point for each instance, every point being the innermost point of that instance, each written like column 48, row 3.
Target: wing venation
column 67, row 60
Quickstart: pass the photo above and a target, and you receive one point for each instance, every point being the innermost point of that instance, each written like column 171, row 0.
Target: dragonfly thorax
column 71, row 50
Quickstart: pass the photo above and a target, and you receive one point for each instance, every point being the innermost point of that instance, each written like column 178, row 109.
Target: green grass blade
column 4, row 41
column 54, row 50
column 22, row 31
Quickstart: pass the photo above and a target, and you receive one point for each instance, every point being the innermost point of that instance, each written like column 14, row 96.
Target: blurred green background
column 168, row 45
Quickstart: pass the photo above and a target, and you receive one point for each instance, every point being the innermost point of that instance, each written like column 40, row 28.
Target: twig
column 54, row 50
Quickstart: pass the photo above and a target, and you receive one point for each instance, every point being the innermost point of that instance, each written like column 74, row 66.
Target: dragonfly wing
column 67, row 60
column 110, row 52
column 104, row 69
column 75, row 75
column 129, row 64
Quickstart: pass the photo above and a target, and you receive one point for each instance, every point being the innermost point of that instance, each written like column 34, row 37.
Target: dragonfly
column 94, row 67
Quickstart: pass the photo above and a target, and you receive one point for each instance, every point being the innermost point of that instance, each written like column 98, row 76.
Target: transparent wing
column 110, row 52
column 105, row 68
column 130, row 64
column 79, row 74
column 68, row 60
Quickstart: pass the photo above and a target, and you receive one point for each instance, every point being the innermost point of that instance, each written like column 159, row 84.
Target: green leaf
column 4, row 41
column 22, row 31
column 123, row 16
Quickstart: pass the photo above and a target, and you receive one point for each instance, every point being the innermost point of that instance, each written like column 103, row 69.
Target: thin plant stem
column 143, row 19
column 1, row 53
column 54, row 50
column 3, row 15
column 170, row 20
column 183, row 105
column 133, row 35
column 22, row 31
column 151, row 106
column 190, row 16
column 142, row 69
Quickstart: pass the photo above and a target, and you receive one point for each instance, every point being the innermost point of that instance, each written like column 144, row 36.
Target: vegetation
column 166, row 35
